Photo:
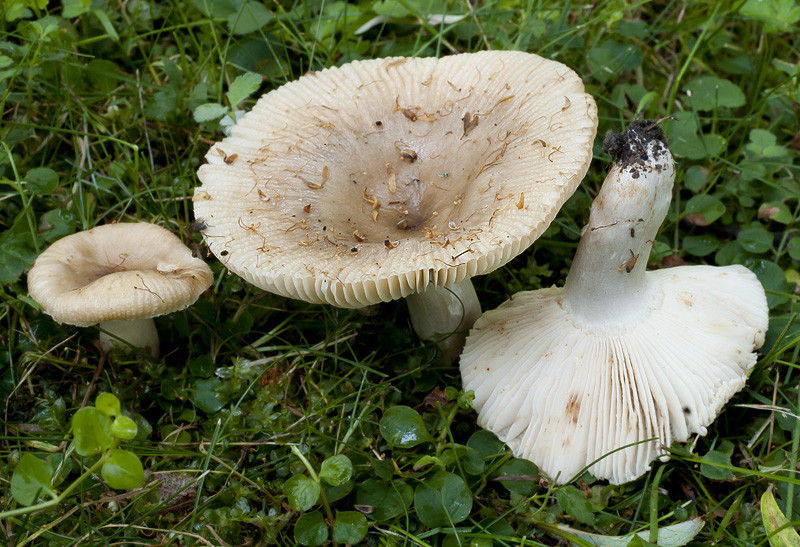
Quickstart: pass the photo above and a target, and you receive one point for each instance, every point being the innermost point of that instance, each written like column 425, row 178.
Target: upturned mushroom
column 384, row 178
column 120, row 276
column 609, row 370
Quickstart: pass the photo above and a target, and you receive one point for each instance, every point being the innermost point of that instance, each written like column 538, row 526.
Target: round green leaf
column 710, row 92
column 473, row 462
column 336, row 470
column 123, row 470
column 31, row 480
column 520, row 476
column 709, row 206
column 701, row 245
column 170, row 389
column 42, row 180
column 243, row 86
column 794, row 247
column 730, row 253
column 402, row 427
column 713, row 144
column 349, row 527
column 721, row 455
column 695, row 178
column 202, row 366
column 310, row 529
column 209, row 112
column 575, row 504
column 250, row 17
column 92, row 431
column 143, row 427
column 467, row 458
column 683, row 136
column 124, row 428
column 57, row 223
column 689, row 146
column 764, row 144
column 755, row 240
column 442, row 500
column 776, row 211
column 108, row 404
column 103, row 74
column 335, row 493
column 387, row 500
column 612, row 57
column 493, row 525
column 161, row 104
column 301, row 491
column 207, row 395
column 773, row 278
column 485, row 443
column 751, row 170
column 776, row 16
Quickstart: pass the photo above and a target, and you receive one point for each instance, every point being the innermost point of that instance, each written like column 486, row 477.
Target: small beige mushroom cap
column 371, row 181
column 116, row 272
column 564, row 394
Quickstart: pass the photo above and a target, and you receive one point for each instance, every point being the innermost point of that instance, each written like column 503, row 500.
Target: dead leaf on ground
column 768, row 212
column 671, row 261
column 435, row 397
column 696, row 219
column 794, row 144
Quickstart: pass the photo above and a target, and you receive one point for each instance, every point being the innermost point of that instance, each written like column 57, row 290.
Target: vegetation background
column 259, row 402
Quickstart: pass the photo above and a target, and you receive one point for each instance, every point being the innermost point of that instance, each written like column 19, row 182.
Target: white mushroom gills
column 611, row 369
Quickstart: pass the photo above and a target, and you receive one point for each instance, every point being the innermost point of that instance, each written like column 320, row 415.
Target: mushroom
column 383, row 178
column 120, row 276
column 608, row 371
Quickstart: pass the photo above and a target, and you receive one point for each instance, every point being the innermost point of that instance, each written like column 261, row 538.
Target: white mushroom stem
column 607, row 282
column 445, row 315
column 140, row 333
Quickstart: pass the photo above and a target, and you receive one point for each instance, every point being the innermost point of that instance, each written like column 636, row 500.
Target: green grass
column 98, row 125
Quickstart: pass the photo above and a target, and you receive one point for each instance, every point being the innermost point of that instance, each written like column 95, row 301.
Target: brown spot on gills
column 573, row 408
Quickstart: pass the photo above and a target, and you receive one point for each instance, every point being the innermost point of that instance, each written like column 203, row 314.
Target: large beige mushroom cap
column 121, row 276
column 370, row 181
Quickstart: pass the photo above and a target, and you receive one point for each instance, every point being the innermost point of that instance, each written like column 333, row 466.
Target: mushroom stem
column 140, row 333
column 445, row 315
column 607, row 284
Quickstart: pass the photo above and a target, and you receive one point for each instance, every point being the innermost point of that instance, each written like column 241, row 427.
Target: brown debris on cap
column 370, row 181
column 116, row 272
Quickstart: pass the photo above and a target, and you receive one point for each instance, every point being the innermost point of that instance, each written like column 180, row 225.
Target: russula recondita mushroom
column 120, row 276
column 619, row 355
column 384, row 178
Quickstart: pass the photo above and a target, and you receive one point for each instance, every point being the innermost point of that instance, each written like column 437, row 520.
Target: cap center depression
column 413, row 170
